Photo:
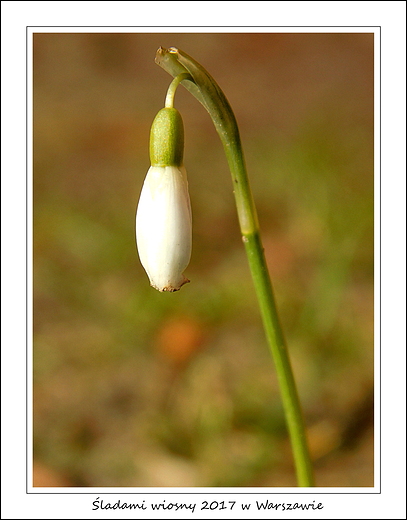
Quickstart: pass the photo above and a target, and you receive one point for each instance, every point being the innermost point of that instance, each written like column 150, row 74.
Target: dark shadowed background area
column 133, row 387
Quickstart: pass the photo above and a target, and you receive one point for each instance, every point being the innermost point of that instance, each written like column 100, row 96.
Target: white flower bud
column 163, row 219
column 164, row 227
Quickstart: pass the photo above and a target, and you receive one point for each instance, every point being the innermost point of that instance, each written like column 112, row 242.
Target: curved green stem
column 169, row 99
column 206, row 90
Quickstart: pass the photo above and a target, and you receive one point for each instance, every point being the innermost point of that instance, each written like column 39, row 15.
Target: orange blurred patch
column 179, row 339
column 43, row 476
column 280, row 255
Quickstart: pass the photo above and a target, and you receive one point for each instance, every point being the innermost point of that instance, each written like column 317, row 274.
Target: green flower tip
column 167, row 138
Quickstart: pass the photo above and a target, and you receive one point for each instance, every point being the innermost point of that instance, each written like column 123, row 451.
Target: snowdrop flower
column 163, row 219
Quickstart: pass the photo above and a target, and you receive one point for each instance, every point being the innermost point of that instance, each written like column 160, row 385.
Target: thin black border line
column 380, row 255
column 26, row 266
column 379, row 136
column 209, row 26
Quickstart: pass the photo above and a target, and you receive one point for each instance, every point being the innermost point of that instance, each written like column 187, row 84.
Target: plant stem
column 276, row 342
column 262, row 283
column 169, row 99
column 206, row 90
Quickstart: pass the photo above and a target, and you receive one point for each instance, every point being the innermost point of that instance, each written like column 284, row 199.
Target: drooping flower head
column 163, row 219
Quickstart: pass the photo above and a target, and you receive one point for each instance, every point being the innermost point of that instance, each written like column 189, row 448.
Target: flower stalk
column 201, row 85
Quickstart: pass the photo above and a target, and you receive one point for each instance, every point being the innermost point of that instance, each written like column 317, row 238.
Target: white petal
column 164, row 227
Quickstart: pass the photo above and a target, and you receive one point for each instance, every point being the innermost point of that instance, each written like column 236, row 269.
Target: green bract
column 167, row 138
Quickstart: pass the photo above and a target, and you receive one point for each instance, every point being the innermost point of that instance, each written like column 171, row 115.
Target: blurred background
column 133, row 387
